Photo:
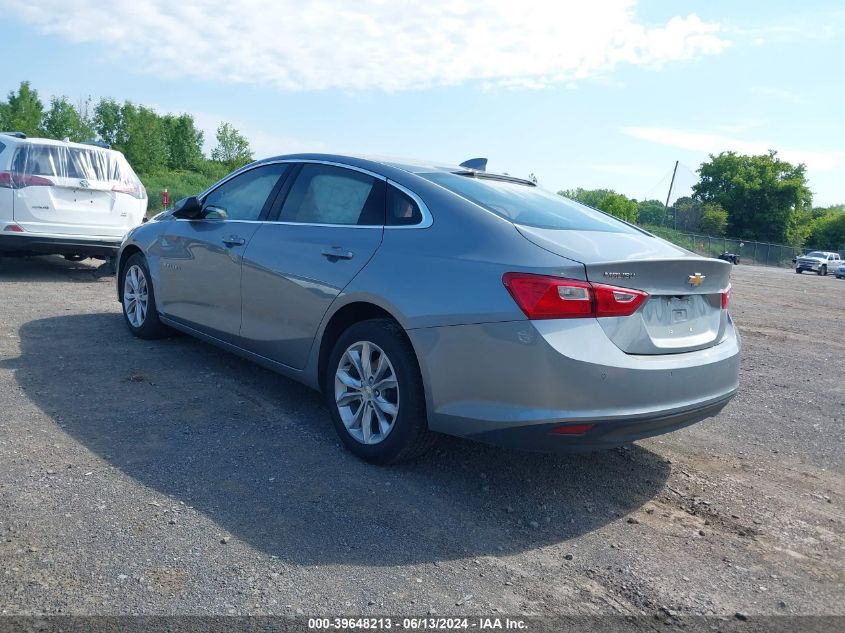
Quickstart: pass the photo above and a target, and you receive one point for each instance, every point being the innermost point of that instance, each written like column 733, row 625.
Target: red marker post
column 165, row 199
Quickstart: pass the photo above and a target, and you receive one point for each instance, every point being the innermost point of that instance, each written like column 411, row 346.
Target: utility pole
column 669, row 195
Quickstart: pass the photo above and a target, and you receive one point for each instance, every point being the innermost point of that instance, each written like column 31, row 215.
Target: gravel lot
column 170, row 477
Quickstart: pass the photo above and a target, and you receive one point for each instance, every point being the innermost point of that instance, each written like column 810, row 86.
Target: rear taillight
column 136, row 191
column 12, row 180
column 12, row 228
column 546, row 297
column 726, row 297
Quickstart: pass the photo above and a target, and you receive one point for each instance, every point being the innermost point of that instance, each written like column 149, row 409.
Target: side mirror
column 188, row 208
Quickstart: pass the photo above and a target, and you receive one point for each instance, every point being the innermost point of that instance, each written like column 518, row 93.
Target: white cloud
column 778, row 94
column 710, row 143
column 323, row 44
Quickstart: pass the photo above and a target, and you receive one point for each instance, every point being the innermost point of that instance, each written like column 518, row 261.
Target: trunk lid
column 683, row 311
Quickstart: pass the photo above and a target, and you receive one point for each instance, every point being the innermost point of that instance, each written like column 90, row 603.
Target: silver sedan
column 424, row 299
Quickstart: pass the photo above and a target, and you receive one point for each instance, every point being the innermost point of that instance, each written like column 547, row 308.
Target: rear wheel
column 375, row 393
column 138, row 300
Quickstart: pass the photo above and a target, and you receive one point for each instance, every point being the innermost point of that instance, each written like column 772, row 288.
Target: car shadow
column 51, row 268
column 256, row 453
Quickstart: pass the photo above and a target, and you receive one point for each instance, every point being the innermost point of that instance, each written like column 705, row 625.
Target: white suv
column 71, row 199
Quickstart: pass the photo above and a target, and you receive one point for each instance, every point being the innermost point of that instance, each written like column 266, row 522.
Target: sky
column 606, row 93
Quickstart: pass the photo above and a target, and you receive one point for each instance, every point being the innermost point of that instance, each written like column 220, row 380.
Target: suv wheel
column 375, row 393
column 138, row 300
column 823, row 271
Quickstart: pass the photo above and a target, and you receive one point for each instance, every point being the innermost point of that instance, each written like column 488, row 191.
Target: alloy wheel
column 136, row 295
column 366, row 392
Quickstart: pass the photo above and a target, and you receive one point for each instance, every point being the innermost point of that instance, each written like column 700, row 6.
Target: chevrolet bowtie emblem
column 696, row 279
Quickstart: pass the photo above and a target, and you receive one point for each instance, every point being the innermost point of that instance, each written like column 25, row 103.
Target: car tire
column 823, row 271
column 380, row 426
column 137, row 300
column 797, row 271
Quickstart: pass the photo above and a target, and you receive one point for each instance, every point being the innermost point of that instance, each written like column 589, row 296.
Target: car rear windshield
column 60, row 161
column 527, row 205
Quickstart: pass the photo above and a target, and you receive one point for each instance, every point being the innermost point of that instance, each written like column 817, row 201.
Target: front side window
column 244, row 196
column 527, row 205
column 325, row 194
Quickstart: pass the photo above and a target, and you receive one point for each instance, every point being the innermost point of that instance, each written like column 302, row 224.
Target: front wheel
column 823, row 271
column 375, row 393
column 138, row 300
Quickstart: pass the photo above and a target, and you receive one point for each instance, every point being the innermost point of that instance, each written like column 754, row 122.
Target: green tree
column 605, row 200
column 63, row 120
column 621, row 206
column 22, row 111
column 652, row 212
column 714, row 220
column 184, row 141
column 686, row 213
column 828, row 230
column 590, row 197
column 232, row 148
column 108, row 123
column 145, row 147
column 760, row 193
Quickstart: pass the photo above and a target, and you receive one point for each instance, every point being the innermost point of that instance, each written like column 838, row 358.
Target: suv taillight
column 12, row 180
column 547, row 297
column 134, row 190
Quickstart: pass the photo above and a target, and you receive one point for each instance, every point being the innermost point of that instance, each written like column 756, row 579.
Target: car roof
column 384, row 165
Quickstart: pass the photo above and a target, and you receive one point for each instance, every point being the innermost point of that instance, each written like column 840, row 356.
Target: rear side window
column 527, row 205
column 244, row 196
column 325, row 194
column 2, row 147
column 401, row 209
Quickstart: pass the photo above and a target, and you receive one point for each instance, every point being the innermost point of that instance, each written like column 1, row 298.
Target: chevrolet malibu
column 424, row 299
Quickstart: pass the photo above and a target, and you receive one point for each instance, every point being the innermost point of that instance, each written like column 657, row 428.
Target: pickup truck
column 819, row 262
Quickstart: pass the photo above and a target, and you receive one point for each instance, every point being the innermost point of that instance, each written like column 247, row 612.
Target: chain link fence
column 749, row 251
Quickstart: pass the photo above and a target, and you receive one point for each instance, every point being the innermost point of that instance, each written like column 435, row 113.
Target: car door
column 199, row 261
column 329, row 223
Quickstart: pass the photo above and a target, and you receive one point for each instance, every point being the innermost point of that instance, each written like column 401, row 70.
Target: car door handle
column 233, row 241
column 336, row 252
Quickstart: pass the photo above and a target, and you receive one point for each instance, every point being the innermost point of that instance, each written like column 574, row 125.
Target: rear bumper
column 604, row 434
column 47, row 244
column 512, row 383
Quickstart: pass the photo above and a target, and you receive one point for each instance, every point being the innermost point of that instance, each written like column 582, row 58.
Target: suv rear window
column 80, row 163
column 527, row 205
